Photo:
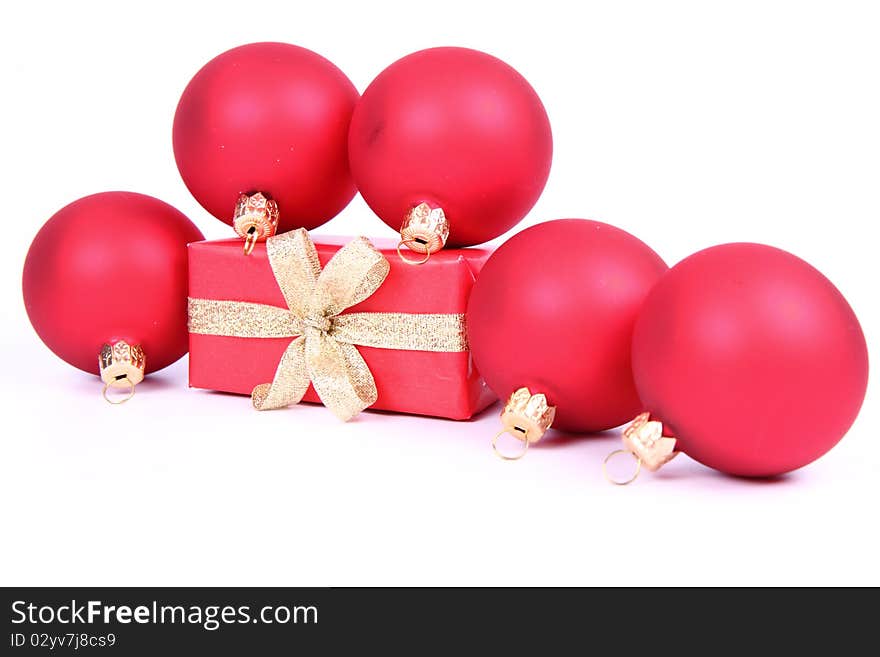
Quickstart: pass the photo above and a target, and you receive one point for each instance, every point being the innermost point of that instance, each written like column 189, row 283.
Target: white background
column 686, row 123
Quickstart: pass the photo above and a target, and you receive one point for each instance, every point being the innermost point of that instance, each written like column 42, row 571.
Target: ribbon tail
column 340, row 376
column 290, row 383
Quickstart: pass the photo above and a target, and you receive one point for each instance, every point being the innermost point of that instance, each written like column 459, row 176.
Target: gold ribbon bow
column 323, row 351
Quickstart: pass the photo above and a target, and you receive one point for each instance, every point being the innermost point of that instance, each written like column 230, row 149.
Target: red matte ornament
column 553, row 311
column 107, row 269
column 271, row 118
column 459, row 131
column 751, row 359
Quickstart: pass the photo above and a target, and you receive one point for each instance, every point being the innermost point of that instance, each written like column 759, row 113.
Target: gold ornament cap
column 121, row 365
column 255, row 219
column 644, row 440
column 425, row 230
column 527, row 417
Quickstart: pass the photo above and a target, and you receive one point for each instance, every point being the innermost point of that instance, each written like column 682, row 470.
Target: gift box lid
column 442, row 285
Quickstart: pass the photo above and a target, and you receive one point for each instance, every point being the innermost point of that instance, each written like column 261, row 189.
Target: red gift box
column 442, row 384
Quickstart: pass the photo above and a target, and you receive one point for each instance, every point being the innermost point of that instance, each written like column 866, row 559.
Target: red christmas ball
column 270, row 118
column 751, row 358
column 457, row 129
column 110, row 267
column 553, row 310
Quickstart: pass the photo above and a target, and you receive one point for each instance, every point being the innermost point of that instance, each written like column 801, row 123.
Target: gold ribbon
column 323, row 351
